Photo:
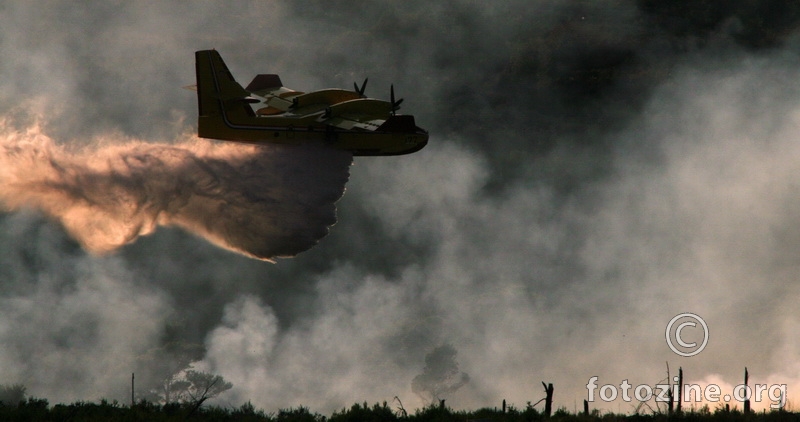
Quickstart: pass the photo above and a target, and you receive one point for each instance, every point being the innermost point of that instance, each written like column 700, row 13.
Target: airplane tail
column 220, row 99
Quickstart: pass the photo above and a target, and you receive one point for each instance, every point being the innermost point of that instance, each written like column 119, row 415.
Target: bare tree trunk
column 680, row 387
column 548, row 401
column 747, row 401
column 671, row 401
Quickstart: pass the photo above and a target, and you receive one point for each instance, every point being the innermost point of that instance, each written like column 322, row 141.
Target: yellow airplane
column 267, row 112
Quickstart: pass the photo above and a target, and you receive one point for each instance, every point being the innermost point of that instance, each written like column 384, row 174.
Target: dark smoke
column 262, row 201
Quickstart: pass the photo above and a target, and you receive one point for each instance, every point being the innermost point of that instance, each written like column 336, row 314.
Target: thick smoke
column 262, row 201
column 594, row 169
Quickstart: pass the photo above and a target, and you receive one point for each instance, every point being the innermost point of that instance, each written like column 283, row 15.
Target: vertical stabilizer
column 220, row 99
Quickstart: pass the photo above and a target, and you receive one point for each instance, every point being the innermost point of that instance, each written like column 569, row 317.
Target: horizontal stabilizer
column 264, row 82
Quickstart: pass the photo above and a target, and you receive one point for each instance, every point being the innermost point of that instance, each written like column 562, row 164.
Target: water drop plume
column 264, row 201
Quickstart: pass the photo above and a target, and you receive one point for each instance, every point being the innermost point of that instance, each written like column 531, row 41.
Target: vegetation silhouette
column 34, row 409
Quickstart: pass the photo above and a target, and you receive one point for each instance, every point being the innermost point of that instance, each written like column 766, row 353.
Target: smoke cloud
column 594, row 169
column 262, row 201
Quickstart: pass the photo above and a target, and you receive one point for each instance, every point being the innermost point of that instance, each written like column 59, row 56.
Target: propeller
column 395, row 104
column 361, row 90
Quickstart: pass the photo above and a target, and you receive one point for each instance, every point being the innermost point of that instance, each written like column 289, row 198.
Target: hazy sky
column 593, row 170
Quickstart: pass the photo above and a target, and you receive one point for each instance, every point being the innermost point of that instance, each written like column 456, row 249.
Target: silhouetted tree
column 163, row 371
column 12, row 395
column 440, row 376
column 190, row 387
column 203, row 386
